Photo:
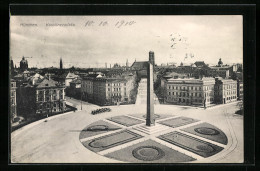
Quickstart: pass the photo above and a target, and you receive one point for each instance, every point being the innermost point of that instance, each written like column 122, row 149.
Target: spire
column 126, row 63
column 61, row 64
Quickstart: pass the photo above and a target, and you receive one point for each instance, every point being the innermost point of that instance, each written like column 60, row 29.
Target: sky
column 173, row 38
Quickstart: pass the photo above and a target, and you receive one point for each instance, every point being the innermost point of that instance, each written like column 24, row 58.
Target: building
column 108, row 91
column 169, row 75
column 220, row 63
column 42, row 98
column 141, row 65
column 70, row 77
column 74, row 90
column 23, row 64
column 13, row 104
column 225, row 91
column 87, row 86
column 190, row 91
column 200, row 64
column 240, row 89
column 50, row 97
column 36, row 78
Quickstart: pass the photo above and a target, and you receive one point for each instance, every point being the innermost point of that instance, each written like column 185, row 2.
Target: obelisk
column 150, row 121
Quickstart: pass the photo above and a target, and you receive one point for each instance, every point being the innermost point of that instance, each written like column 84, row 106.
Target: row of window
column 230, row 86
column 50, row 91
column 232, row 97
column 184, row 100
column 182, row 94
column 230, row 92
column 48, row 105
column 115, row 84
column 48, row 111
column 190, row 87
column 116, row 89
column 40, row 98
column 188, row 100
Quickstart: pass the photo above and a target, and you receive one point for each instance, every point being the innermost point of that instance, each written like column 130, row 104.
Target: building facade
column 13, row 104
column 108, row 91
column 50, row 97
column 225, row 91
column 189, row 91
column 240, row 89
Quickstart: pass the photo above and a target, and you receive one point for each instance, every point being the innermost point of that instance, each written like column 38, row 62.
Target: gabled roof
column 47, row 83
column 71, row 75
column 36, row 76
column 141, row 64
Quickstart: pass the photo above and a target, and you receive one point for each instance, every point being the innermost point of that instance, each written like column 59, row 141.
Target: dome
column 24, row 61
column 220, row 62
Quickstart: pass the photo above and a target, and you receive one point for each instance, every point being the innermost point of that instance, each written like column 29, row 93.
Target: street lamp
column 81, row 100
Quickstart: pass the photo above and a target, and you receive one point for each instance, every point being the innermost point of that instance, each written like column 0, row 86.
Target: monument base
column 158, row 128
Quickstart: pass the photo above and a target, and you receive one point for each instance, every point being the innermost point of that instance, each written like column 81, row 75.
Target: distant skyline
column 202, row 38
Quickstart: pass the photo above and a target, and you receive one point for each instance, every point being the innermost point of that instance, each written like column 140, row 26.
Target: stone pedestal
column 150, row 120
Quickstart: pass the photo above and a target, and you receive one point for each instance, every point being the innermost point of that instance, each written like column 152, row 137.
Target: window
column 108, row 89
column 108, row 84
column 195, row 94
column 169, row 93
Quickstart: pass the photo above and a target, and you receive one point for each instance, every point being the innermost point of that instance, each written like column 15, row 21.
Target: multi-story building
column 50, row 97
column 87, row 87
column 240, row 89
column 225, row 91
column 108, row 91
column 189, row 91
column 13, row 111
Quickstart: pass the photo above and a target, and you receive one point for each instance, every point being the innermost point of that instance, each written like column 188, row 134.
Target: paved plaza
column 190, row 134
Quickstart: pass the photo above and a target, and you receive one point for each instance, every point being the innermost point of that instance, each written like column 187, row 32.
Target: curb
column 18, row 131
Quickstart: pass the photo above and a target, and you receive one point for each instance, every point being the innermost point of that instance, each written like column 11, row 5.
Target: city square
column 61, row 136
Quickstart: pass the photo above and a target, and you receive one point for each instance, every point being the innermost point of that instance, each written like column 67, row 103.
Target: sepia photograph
column 126, row 89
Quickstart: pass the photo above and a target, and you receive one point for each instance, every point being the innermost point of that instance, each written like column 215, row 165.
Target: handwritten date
column 118, row 24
